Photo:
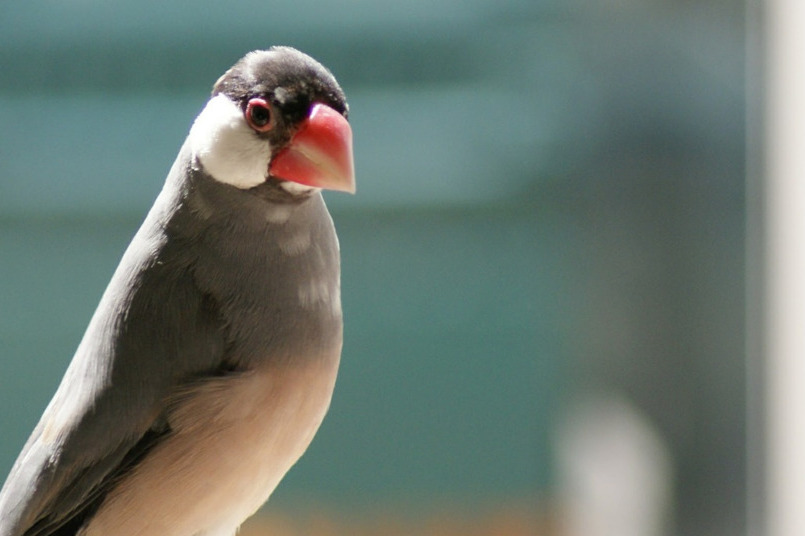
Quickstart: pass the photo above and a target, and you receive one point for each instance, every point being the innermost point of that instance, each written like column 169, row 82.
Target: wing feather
column 153, row 331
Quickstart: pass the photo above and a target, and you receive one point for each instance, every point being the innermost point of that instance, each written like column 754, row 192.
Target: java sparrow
column 211, row 359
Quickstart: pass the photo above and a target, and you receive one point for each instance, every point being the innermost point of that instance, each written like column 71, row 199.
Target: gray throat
column 266, row 259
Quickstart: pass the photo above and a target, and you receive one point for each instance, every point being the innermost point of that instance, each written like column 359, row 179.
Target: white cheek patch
column 228, row 149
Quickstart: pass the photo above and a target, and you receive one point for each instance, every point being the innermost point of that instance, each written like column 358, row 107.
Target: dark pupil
column 260, row 115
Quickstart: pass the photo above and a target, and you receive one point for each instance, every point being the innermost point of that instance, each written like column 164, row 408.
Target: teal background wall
column 550, row 200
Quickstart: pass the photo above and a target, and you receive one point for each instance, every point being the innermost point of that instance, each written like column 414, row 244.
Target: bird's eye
column 258, row 115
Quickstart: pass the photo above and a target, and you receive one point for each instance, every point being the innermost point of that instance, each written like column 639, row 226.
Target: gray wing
column 153, row 330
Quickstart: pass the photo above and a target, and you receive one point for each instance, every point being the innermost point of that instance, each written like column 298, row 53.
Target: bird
column 211, row 359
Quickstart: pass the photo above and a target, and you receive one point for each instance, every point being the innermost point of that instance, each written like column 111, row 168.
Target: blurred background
column 543, row 268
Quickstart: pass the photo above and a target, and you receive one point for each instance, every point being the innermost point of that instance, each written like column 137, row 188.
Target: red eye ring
column 258, row 115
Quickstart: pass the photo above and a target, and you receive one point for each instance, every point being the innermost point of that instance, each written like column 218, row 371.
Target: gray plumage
column 221, row 286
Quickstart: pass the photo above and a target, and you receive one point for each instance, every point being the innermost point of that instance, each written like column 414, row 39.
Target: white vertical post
column 785, row 266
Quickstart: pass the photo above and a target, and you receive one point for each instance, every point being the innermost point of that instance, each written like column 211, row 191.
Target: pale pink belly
column 233, row 440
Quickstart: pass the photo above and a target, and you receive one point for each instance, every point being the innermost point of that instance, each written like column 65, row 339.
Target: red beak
column 320, row 153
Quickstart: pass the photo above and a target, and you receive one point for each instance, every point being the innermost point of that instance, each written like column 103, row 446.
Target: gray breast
column 270, row 263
